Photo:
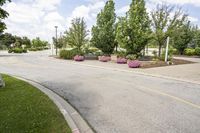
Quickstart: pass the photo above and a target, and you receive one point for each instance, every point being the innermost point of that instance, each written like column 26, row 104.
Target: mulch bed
column 151, row 64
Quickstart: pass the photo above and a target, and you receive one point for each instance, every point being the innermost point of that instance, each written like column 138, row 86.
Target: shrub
column 197, row 51
column 121, row 54
column 10, row 50
column 24, row 50
column 32, row 49
column 170, row 55
column 189, row 52
column 18, row 50
column 69, row 54
column 39, row 49
column 98, row 53
column 46, row 48
column 131, row 57
column 134, row 64
column 90, row 50
column 175, row 52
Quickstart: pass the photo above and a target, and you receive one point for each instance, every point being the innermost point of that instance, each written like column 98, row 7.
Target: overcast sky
column 34, row 18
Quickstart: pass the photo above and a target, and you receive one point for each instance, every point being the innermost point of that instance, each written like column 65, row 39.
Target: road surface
column 113, row 101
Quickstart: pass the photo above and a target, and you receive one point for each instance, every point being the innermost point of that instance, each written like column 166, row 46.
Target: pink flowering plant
column 79, row 58
column 121, row 60
column 133, row 62
column 104, row 58
column 121, row 57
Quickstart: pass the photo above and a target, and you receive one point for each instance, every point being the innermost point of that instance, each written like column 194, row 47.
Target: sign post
column 167, row 49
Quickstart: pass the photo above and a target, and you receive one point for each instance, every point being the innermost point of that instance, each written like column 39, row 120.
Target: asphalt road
column 114, row 101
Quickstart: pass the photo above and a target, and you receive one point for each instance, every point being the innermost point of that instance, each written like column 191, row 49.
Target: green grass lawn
column 25, row 109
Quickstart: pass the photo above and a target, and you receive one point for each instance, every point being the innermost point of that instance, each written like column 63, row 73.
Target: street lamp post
column 56, row 40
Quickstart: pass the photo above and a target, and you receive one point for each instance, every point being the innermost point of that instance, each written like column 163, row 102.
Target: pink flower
column 134, row 64
column 121, row 60
column 79, row 58
column 104, row 58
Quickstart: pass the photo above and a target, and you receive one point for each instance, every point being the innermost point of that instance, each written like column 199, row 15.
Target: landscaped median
column 24, row 108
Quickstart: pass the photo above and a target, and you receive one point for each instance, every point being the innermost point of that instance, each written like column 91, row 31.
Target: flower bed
column 104, row 58
column 121, row 60
column 79, row 58
column 134, row 64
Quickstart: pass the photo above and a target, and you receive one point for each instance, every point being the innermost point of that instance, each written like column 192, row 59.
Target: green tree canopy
column 60, row 41
column 26, row 41
column 133, row 31
column 196, row 39
column 18, row 42
column 77, row 34
column 165, row 20
column 103, row 34
column 7, row 39
column 183, row 35
column 38, row 43
column 3, row 15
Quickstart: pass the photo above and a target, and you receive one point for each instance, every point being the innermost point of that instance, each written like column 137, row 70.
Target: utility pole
column 56, row 40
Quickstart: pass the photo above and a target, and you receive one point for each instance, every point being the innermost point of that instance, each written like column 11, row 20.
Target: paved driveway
column 113, row 101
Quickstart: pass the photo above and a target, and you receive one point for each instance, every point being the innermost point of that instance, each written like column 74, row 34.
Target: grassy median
column 23, row 108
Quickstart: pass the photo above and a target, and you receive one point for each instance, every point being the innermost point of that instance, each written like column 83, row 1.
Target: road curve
column 114, row 101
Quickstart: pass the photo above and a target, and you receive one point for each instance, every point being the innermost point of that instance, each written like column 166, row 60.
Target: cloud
column 122, row 10
column 34, row 18
column 193, row 19
column 47, row 5
column 88, row 12
column 151, row 4
column 179, row 2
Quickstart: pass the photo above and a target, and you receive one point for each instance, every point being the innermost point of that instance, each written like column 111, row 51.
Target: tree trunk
column 116, row 49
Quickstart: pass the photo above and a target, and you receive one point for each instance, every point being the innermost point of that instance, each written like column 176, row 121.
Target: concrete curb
column 140, row 73
column 73, row 118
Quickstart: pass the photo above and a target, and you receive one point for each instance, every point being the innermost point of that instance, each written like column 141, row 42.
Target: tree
column 60, row 42
column 26, row 41
column 18, row 42
column 76, row 36
column 7, row 39
column 165, row 19
column 38, row 43
column 3, row 15
column 182, row 37
column 133, row 31
column 103, row 34
column 196, row 39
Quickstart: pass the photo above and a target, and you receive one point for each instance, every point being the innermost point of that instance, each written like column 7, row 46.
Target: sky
column 37, row 18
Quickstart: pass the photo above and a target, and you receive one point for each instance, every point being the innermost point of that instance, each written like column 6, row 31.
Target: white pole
column 52, row 48
column 167, row 49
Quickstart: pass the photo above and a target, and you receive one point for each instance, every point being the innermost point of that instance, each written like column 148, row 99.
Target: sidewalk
column 187, row 72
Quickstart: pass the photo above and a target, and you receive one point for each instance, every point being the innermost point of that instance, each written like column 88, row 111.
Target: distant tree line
column 8, row 41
